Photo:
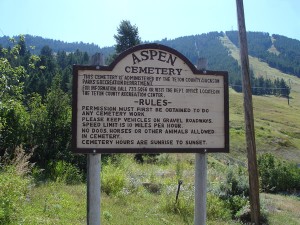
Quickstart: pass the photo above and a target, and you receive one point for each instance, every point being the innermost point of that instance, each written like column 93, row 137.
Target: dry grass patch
column 282, row 209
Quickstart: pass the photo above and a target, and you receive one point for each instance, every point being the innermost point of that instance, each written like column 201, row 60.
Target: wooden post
column 200, row 175
column 202, row 64
column 249, row 121
column 97, row 59
column 93, row 174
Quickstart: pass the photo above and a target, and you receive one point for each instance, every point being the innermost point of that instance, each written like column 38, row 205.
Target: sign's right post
column 200, row 189
column 200, row 174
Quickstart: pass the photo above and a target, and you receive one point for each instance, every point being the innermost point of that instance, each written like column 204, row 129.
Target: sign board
column 151, row 99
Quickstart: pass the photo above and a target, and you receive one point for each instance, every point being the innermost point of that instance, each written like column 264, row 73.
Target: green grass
column 277, row 126
column 55, row 203
column 58, row 203
column 141, row 208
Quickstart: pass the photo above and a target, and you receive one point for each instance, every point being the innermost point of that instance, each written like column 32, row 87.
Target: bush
column 217, row 208
column 277, row 175
column 244, row 215
column 14, row 184
column 14, row 188
column 184, row 205
column 236, row 182
column 112, row 179
column 236, row 203
column 164, row 159
column 66, row 172
column 234, row 190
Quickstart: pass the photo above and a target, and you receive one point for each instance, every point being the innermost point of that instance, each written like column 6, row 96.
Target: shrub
column 217, row 208
column 14, row 184
column 184, row 205
column 244, row 215
column 112, row 179
column 107, row 216
column 20, row 161
column 236, row 182
column 66, row 172
column 14, row 188
column 277, row 175
column 164, row 159
column 236, row 203
column 234, row 190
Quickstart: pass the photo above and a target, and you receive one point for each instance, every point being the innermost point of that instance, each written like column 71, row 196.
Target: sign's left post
column 93, row 167
column 93, row 188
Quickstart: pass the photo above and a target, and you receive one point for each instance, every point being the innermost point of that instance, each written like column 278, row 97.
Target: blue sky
column 96, row 21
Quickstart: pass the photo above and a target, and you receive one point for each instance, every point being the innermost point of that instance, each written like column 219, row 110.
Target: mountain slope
column 278, row 51
column 263, row 69
column 277, row 124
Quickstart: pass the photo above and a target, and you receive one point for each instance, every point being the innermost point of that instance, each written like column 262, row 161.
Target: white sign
column 151, row 99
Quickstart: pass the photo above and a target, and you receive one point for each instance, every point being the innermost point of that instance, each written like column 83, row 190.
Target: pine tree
column 127, row 37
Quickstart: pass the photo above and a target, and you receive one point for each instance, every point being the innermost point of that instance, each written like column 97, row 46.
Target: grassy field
column 277, row 126
column 282, row 209
column 58, row 203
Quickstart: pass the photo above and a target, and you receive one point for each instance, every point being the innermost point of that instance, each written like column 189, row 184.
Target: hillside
column 277, row 51
column 277, row 123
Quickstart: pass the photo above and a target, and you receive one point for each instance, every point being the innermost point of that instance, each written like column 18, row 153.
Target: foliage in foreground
column 14, row 185
column 124, row 197
column 65, row 172
column 112, row 179
column 14, row 189
column 277, row 175
column 35, row 103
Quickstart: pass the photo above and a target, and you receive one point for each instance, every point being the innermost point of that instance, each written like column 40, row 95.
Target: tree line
column 36, row 43
column 263, row 86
